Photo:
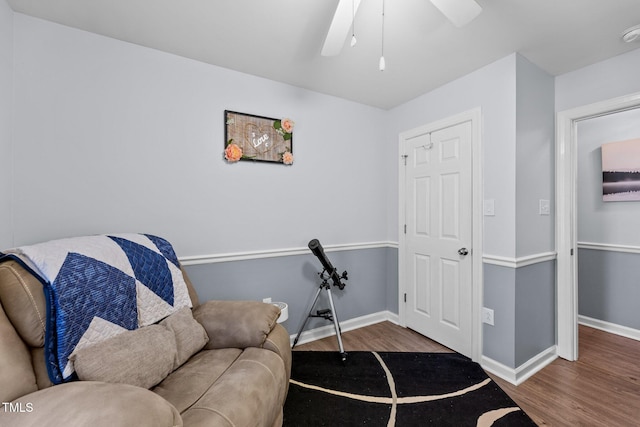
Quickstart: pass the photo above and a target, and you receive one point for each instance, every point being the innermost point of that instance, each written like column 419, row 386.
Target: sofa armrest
column 90, row 403
column 279, row 342
column 236, row 324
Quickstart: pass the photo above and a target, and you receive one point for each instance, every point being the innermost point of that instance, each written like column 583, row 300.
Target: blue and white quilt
column 99, row 286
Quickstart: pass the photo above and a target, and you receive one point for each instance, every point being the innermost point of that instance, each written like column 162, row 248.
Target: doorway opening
column 566, row 214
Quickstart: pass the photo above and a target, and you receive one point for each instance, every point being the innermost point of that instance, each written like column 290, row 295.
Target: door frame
column 476, row 253
column 567, row 215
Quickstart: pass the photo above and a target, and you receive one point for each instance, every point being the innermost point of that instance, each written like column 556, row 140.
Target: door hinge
column 405, row 297
column 571, row 251
column 405, row 229
column 404, row 156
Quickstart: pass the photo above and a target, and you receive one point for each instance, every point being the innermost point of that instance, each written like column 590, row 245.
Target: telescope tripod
column 328, row 314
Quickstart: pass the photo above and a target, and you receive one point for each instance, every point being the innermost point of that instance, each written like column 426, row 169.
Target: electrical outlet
column 267, row 300
column 487, row 316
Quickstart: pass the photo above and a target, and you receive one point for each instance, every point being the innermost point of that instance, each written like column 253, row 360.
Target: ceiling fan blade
column 459, row 12
column 340, row 26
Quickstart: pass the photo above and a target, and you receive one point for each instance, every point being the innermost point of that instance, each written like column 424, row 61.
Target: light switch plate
column 488, row 207
column 545, row 207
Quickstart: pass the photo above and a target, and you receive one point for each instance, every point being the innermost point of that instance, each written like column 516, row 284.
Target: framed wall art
column 621, row 171
column 257, row 138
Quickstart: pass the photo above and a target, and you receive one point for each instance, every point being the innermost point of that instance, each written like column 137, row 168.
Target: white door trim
column 475, row 117
column 566, row 214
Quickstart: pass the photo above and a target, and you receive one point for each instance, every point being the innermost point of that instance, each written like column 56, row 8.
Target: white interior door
column 437, row 259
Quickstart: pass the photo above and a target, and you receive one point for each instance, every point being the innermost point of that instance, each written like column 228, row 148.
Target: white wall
column 6, row 97
column 604, row 222
column 111, row 136
column 604, row 80
column 493, row 88
column 535, row 129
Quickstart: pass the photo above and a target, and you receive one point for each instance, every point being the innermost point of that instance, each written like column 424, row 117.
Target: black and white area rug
column 395, row 389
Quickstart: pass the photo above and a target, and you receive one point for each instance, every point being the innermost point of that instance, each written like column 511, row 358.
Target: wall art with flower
column 257, row 138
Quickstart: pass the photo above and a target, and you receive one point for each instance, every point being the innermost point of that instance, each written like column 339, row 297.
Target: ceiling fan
column 459, row 12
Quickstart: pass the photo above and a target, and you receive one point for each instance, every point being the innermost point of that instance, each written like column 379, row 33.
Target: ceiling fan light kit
column 631, row 34
column 340, row 26
column 382, row 65
column 353, row 23
column 458, row 12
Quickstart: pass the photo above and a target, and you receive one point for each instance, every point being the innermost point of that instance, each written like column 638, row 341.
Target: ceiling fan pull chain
column 382, row 65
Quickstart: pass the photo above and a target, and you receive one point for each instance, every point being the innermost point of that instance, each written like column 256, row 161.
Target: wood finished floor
column 601, row 389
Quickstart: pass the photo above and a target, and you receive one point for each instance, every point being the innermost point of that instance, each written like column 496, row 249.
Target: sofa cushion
column 93, row 404
column 238, row 324
column 142, row 357
column 190, row 336
column 253, row 385
column 185, row 386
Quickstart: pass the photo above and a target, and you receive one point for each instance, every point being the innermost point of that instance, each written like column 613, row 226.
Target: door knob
column 463, row 251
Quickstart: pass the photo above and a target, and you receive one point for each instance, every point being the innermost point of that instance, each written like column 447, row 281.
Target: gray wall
column 294, row 280
column 535, row 310
column 6, row 123
column 392, row 280
column 499, row 340
column 523, row 301
column 609, row 286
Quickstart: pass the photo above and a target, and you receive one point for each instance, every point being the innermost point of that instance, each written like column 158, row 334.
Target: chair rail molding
column 274, row 253
column 609, row 247
column 520, row 261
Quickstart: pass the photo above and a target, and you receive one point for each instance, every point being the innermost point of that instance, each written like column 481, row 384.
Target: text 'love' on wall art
column 257, row 138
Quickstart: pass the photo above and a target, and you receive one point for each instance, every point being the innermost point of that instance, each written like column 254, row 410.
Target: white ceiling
column 282, row 39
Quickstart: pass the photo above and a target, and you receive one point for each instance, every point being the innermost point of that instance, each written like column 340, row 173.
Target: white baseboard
column 610, row 327
column 347, row 325
column 523, row 372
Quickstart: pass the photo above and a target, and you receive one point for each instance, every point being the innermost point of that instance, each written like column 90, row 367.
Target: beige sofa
column 240, row 377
